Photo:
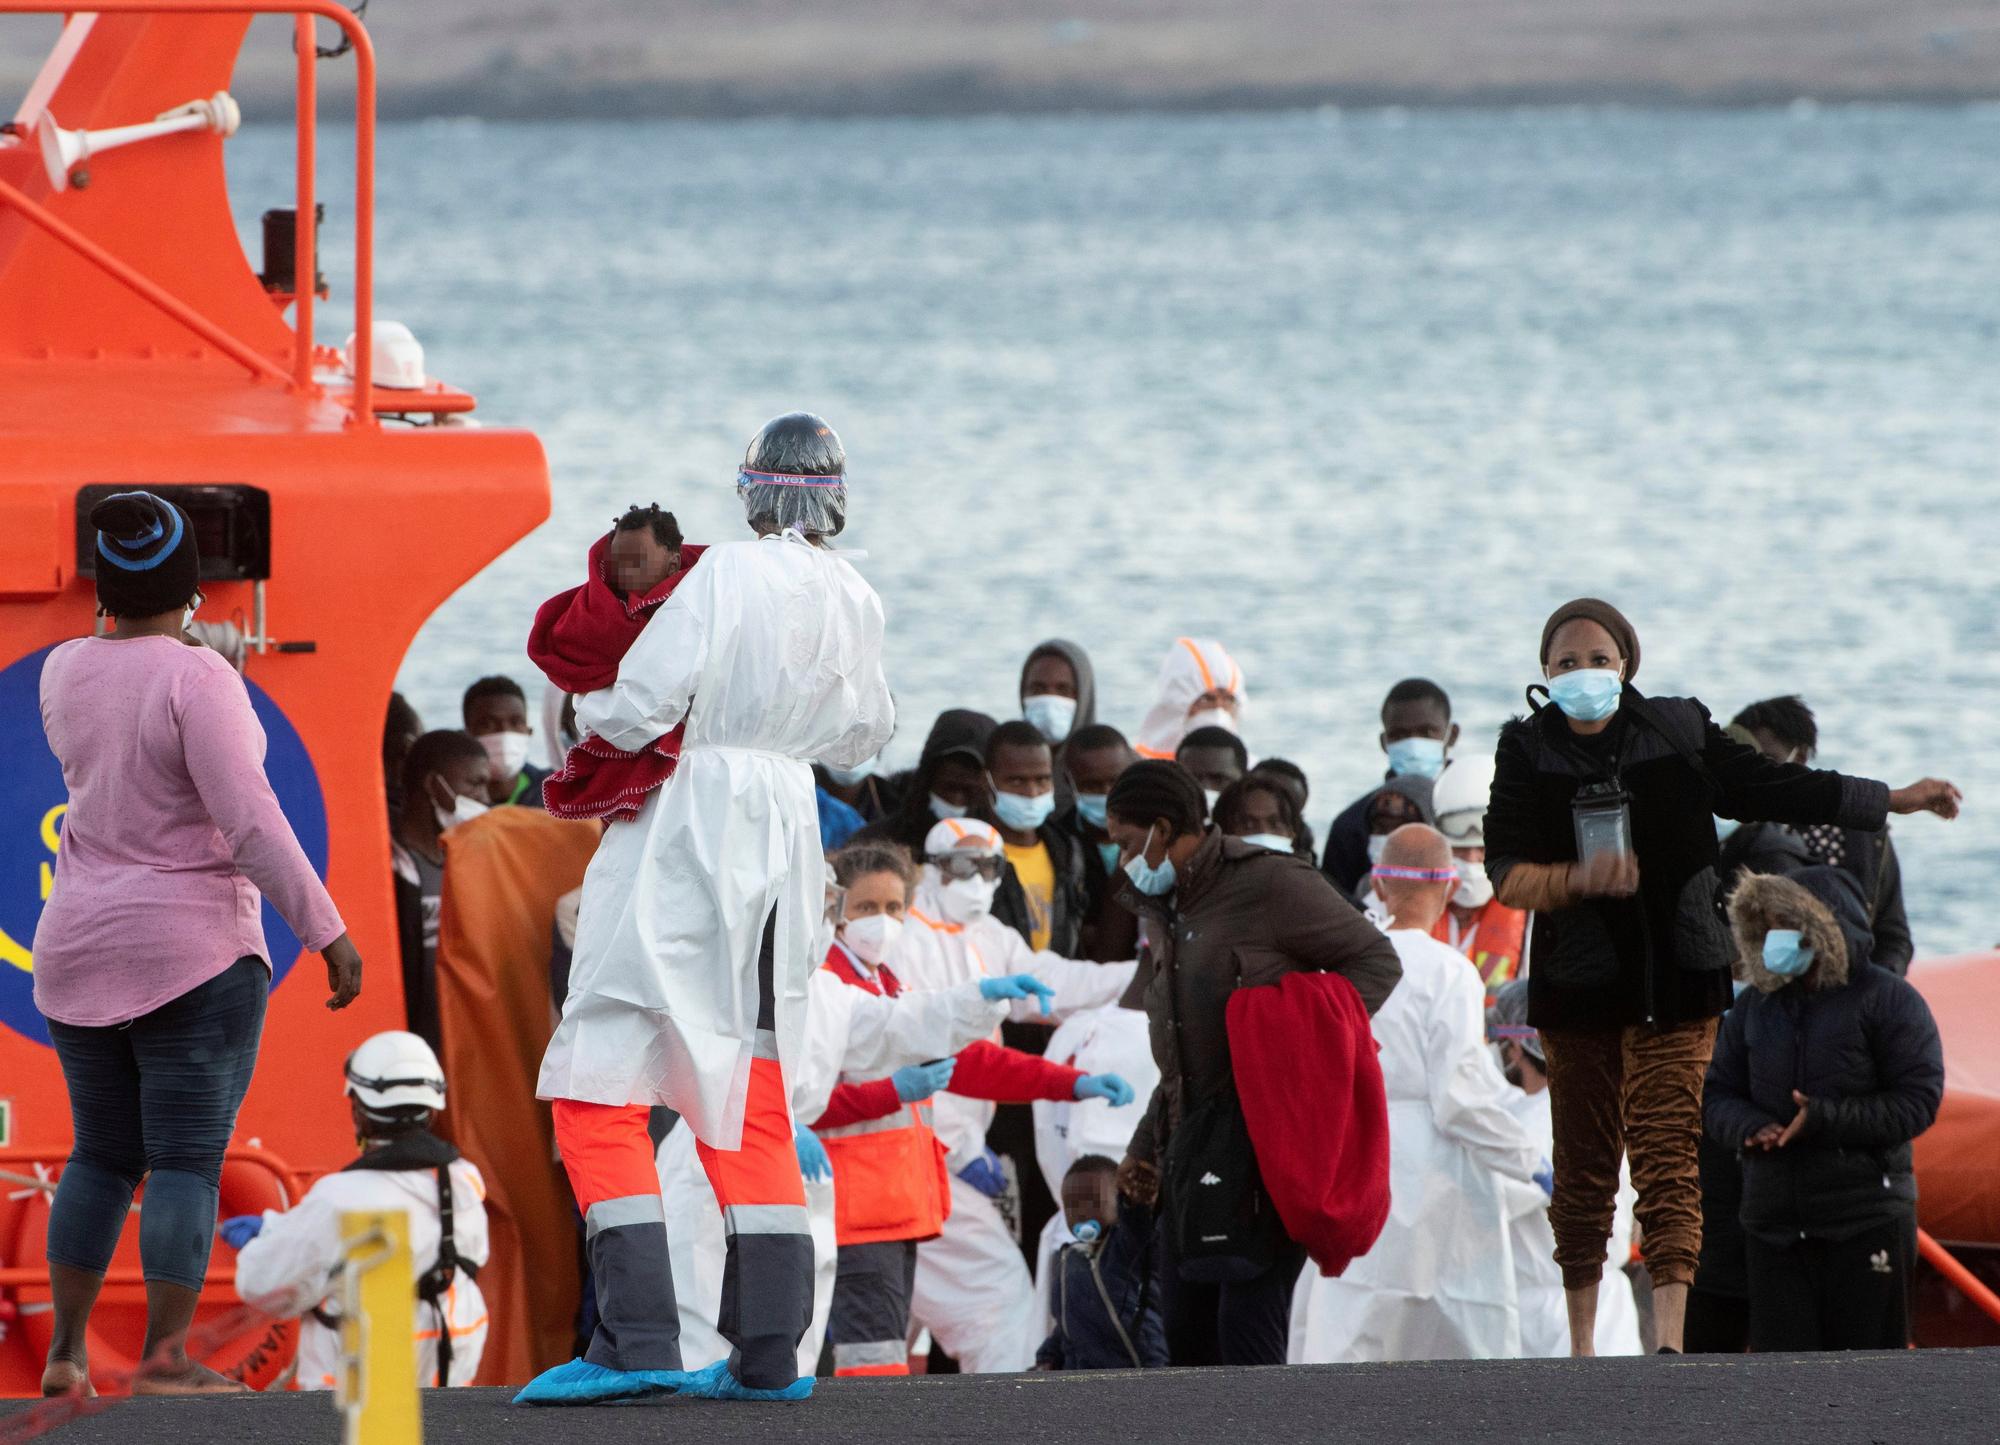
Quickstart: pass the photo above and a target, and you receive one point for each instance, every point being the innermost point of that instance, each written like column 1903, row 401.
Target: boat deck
column 1917, row 1396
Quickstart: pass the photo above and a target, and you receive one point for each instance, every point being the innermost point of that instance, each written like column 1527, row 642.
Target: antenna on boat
column 64, row 150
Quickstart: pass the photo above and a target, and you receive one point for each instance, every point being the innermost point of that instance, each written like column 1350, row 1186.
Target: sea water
column 1361, row 394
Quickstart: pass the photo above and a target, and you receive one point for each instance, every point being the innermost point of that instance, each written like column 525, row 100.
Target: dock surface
column 1916, row 1396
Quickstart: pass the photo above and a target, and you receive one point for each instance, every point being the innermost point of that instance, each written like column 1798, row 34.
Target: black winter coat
column 1855, row 1039
column 1106, row 1303
column 1661, row 958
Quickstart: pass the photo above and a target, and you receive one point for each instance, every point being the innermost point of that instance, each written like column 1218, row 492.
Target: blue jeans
column 156, row 1099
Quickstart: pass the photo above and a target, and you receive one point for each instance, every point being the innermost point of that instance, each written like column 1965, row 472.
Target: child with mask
column 579, row 638
column 1824, row 1070
column 1106, row 1308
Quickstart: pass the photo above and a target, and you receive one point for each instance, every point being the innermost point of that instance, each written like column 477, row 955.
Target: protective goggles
column 961, row 864
column 747, row 478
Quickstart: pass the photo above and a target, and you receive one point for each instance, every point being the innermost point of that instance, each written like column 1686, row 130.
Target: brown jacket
column 1239, row 916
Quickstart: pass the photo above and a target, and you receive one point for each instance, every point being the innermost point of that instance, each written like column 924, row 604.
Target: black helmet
column 779, row 481
column 796, row 444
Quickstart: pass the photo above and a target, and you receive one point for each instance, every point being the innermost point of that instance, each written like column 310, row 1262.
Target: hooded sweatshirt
column 957, row 730
column 1086, row 702
column 1855, row 1039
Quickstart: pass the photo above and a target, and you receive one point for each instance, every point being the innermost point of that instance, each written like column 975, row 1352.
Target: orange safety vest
column 1492, row 940
column 889, row 1176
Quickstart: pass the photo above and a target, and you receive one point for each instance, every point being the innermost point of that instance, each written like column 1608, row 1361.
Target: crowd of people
column 1074, row 1048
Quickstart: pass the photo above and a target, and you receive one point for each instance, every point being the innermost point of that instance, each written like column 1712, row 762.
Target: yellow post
column 378, row 1383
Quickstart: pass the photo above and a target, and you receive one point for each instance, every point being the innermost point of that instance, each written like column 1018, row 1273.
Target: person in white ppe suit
column 972, row 1287
column 1200, row 686
column 1439, row 1282
column 1105, row 1040
column 1537, row 1278
column 696, row 936
column 290, row 1262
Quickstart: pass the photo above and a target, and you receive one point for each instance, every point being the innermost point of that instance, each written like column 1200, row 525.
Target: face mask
column 1724, row 827
column 506, row 751
column 1109, row 853
column 848, row 777
column 1416, row 757
column 872, row 938
column 1021, row 812
column 1589, row 694
column 941, row 810
column 1213, row 717
column 1276, row 842
column 1475, row 889
column 967, row 900
column 1784, row 954
column 1151, row 881
column 462, row 810
column 1378, row 844
column 1052, row 716
column 1091, row 808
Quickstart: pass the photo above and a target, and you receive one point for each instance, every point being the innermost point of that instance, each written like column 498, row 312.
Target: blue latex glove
column 813, row 1163
column 985, row 1175
column 919, row 1081
column 1545, row 1179
column 240, row 1229
column 1018, row 986
column 1108, row 1087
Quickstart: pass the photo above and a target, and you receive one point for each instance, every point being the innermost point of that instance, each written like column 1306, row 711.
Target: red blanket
column 579, row 638
column 1311, row 1086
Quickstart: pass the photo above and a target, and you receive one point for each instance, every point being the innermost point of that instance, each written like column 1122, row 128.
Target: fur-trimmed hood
column 1826, row 907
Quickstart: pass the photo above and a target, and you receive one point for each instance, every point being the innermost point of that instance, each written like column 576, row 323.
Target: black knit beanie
column 1590, row 609
column 146, row 557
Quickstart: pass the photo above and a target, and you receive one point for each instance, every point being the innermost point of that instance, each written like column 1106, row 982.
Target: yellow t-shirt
column 1037, row 872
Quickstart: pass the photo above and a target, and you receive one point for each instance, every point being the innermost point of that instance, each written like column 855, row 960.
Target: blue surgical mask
column 1590, row 694
column 1052, row 716
column 848, row 777
column 1021, row 812
column 1784, row 954
column 1276, row 842
column 1151, row 881
column 1091, row 808
column 1109, row 853
column 941, row 810
column 1416, row 757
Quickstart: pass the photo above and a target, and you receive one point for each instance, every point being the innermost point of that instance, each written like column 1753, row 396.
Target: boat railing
column 304, row 12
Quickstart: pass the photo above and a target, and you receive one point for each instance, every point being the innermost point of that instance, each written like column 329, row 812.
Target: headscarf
column 1193, row 666
column 147, row 561
column 1590, row 609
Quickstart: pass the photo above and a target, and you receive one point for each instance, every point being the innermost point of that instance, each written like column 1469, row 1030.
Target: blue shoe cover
column 581, row 1383
column 716, row 1383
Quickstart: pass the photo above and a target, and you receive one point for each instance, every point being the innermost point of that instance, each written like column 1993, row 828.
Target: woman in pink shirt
column 150, row 962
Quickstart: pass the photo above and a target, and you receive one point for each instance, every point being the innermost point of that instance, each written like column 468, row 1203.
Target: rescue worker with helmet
column 289, row 1263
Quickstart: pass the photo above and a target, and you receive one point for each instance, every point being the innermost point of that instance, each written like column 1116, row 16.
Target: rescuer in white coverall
column 972, row 1287
column 696, row 936
column 289, row 1262
column 1439, row 1282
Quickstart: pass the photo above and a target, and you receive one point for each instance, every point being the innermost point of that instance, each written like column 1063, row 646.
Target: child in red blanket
column 579, row 638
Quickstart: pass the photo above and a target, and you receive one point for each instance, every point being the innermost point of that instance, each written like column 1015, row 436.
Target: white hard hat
column 398, row 356
column 1459, row 798
column 395, row 1073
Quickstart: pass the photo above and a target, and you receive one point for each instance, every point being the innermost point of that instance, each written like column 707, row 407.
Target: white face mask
column 1052, row 715
column 1475, row 889
column 506, row 751
column 872, row 939
column 1378, row 844
column 1213, row 717
column 462, row 810
column 1213, row 797
column 967, row 900
column 941, row 810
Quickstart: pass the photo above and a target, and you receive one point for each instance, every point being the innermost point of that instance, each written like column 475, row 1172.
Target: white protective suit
column 1439, row 1283
column 972, row 1289
column 772, row 652
column 1106, row 1040
column 295, row 1261
column 1538, row 1280
column 848, row 1031
column 1193, row 666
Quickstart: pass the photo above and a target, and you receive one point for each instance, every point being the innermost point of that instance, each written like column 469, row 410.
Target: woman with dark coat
column 1824, row 1071
column 1628, row 956
column 1217, row 914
